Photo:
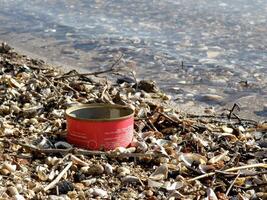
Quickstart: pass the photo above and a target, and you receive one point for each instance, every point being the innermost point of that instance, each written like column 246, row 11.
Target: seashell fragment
column 41, row 173
column 130, row 179
column 62, row 145
column 206, row 168
column 4, row 172
column 15, row 83
column 219, row 157
column 141, row 146
column 108, row 168
column 172, row 186
column 99, row 193
column 226, row 129
column 15, row 109
column 89, row 182
column 11, row 168
column 211, row 194
column 160, row 173
column 190, row 158
column 154, row 184
column 52, row 160
column 14, row 193
column 95, row 169
column 123, row 171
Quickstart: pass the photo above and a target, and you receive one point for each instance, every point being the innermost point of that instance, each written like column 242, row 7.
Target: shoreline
column 256, row 111
column 172, row 154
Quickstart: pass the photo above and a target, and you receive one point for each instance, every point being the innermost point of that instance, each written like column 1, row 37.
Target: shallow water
column 191, row 48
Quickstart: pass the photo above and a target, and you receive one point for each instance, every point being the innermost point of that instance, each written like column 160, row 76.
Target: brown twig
column 235, row 107
column 77, row 151
column 232, row 184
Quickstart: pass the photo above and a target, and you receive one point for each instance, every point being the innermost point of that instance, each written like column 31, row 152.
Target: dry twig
column 232, row 184
column 57, row 179
column 111, row 69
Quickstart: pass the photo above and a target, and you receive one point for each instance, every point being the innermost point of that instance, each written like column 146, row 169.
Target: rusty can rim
column 102, row 105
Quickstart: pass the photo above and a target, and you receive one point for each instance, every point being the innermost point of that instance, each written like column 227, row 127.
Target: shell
column 160, row 173
column 11, row 168
column 108, row 168
column 218, row 158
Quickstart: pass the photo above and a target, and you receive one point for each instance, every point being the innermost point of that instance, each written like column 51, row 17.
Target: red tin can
column 100, row 126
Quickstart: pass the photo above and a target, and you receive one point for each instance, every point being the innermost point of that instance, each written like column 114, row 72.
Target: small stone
column 18, row 197
column 72, row 194
column 89, row 182
column 99, row 192
column 12, row 191
column 130, row 179
column 9, row 167
column 226, row 129
column 84, row 169
column 79, row 186
column 96, row 170
column 4, row 172
column 211, row 98
column 108, row 168
column 258, row 135
column 130, row 150
column 148, row 193
column 61, row 197
column 64, row 187
column 123, row 171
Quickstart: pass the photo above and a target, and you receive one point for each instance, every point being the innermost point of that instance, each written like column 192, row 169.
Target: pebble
column 95, row 169
column 148, row 193
column 4, row 172
column 9, row 167
column 84, row 169
column 61, row 197
column 18, row 197
column 12, row 190
column 258, row 135
column 51, row 160
column 65, row 186
column 212, row 97
column 108, row 168
column 123, row 171
column 141, row 146
column 79, row 186
column 89, row 182
column 99, row 192
column 130, row 179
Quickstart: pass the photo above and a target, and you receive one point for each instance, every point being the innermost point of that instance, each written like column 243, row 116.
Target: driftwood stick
column 33, row 148
column 77, row 151
column 57, row 179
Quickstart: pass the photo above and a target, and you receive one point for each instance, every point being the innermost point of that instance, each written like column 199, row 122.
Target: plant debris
column 173, row 155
